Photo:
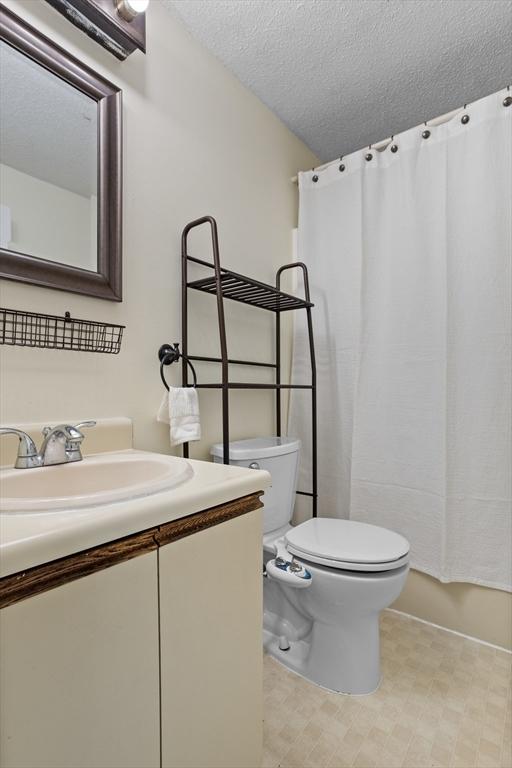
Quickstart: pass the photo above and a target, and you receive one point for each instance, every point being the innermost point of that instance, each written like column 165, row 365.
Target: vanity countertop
column 30, row 539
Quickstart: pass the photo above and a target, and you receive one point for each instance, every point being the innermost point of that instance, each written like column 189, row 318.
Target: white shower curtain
column 409, row 256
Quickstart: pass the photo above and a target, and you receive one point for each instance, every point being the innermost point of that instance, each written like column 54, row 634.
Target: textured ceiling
column 344, row 74
column 48, row 128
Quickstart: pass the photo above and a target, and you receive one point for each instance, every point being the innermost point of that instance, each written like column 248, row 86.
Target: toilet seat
column 347, row 545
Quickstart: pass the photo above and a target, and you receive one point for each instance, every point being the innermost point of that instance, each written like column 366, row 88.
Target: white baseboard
column 452, row 631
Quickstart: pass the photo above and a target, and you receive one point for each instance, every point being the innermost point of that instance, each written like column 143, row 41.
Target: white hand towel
column 180, row 409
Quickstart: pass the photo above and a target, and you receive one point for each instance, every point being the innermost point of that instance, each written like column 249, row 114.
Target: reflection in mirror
column 48, row 164
column 60, row 167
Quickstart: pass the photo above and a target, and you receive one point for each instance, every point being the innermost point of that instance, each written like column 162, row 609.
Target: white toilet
column 327, row 579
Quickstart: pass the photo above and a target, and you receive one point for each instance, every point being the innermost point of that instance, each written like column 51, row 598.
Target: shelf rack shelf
column 249, row 291
column 226, row 284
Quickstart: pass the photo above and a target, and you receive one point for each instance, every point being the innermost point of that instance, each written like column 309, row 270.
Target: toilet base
column 271, row 647
column 339, row 660
column 332, row 628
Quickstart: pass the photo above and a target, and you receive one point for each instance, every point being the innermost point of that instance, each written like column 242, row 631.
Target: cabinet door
column 211, row 648
column 79, row 673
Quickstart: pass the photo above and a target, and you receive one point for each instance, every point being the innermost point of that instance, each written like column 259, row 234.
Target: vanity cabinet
column 79, row 673
column 211, row 655
column 140, row 653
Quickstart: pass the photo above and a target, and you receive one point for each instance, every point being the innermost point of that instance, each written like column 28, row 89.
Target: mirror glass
column 48, row 164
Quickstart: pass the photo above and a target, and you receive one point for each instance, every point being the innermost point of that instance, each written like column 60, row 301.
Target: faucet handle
column 74, row 437
column 85, row 424
column 74, row 433
column 66, row 428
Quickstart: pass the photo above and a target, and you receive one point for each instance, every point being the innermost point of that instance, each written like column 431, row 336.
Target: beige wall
column 467, row 608
column 49, row 221
column 195, row 142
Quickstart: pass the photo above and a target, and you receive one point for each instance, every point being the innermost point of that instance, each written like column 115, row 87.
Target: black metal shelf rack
column 225, row 284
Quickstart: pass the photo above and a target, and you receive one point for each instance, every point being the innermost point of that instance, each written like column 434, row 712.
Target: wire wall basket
column 32, row 329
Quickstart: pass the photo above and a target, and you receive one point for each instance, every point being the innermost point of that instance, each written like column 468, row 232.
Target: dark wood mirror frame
column 106, row 282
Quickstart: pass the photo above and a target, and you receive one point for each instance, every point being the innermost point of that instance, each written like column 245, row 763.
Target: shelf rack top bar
column 246, row 290
column 203, row 359
column 252, row 385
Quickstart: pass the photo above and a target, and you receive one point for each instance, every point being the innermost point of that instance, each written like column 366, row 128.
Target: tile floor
column 444, row 702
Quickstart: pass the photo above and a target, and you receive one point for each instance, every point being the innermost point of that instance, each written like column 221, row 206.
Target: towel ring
column 168, row 354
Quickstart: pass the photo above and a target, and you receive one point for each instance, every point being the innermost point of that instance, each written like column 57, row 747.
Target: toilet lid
column 347, row 543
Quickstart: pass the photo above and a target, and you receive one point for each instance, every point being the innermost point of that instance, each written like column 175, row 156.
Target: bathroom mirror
column 60, row 167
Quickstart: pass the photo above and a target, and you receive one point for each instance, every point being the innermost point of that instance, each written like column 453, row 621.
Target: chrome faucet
column 61, row 445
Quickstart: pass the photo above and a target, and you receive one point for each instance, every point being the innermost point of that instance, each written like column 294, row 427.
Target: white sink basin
column 100, row 479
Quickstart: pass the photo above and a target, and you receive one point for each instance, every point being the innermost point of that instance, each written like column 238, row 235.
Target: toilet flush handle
column 254, row 465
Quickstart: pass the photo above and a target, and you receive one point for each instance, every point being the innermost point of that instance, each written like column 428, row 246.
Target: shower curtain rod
column 383, row 144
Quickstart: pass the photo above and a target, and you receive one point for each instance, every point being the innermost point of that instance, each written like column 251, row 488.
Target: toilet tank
column 280, row 457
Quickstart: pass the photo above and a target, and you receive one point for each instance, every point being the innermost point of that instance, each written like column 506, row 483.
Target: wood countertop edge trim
column 41, row 578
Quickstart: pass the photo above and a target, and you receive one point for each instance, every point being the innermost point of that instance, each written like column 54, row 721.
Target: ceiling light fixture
column 129, row 9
